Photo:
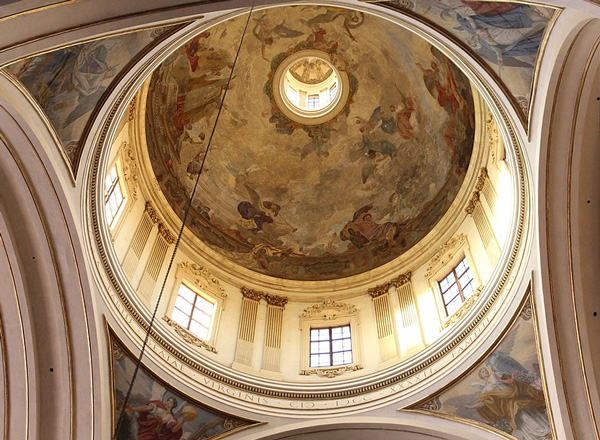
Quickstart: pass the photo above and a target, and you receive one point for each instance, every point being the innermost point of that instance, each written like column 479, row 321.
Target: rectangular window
column 293, row 95
column 457, row 286
column 330, row 346
column 313, row 102
column 332, row 91
column 194, row 312
column 113, row 195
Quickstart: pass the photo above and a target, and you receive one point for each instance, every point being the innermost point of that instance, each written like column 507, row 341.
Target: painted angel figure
column 511, row 399
column 262, row 212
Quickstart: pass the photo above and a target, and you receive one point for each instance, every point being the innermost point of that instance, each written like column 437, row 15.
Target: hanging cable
column 177, row 242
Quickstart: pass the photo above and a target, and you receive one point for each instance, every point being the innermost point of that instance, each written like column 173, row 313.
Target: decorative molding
column 203, row 278
column 434, row 404
column 379, row 290
column 151, row 212
column 274, row 300
column 483, row 176
column 472, row 203
column 384, row 288
column 493, row 136
column 330, row 373
column 444, row 254
column 131, row 171
column 402, row 279
column 377, row 386
column 329, row 310
column 189, row 337
column 166, row 233
column 252, row 294
column 132, row 108
column 462, row 311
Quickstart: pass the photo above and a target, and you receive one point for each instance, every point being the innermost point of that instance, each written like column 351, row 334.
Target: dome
column 344, row 139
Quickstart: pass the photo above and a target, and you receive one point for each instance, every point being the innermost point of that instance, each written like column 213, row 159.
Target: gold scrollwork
column 189, row 337
column 330, row 373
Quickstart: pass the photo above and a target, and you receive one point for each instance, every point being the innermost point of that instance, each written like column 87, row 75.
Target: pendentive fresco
column 311, row 202
column 68, row 83
column 507, row 36
column 155, row 411
column 504, row 391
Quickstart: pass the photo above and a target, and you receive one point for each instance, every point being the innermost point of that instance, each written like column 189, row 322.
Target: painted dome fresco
column 343, row 140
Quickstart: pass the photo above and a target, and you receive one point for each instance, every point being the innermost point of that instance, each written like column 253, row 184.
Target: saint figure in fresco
column 362, row 230
column 510, row 399
column 502, row 31
column 156, row 420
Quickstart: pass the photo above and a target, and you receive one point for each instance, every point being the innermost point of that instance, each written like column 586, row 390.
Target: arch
column 568, row 242
column 48, row 330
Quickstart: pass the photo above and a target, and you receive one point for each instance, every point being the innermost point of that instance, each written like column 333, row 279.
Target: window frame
column 202, row 283
column 108, row 193
column 447, row 258
column 331, row 351
column 197, row 294
column 461, row 294
column 325, row 315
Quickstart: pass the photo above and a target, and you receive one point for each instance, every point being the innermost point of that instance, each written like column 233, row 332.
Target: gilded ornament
column 472, row 203
column 189, row 337
column 329, row 310
column 151, row 212
column 402, row 279
column 462, row 311
column 203, row 278
column 379, row 290
column 252, row 294
column 274, row 300
column 483, row 175
column 330, row 373
column 445, row 254
column 165, row 233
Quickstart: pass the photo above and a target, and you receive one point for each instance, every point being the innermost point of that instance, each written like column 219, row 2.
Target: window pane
column 337, row 345
column 330, row 343
column 198, row 330
column 338, row 358
column 336, row 332
column 187, row 293
column 347, row 345
column 346, row 331
column 180, row 318
column 183, row 305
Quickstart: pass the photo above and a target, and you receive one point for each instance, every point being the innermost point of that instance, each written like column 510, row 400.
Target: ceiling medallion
column 307, row 87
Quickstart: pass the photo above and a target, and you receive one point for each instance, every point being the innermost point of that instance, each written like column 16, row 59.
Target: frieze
column 189, row 337
column 203, row 278
column 329, row 310
column 462, row 311
column 330, row 373
column 445, row 254
column 252, row 294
